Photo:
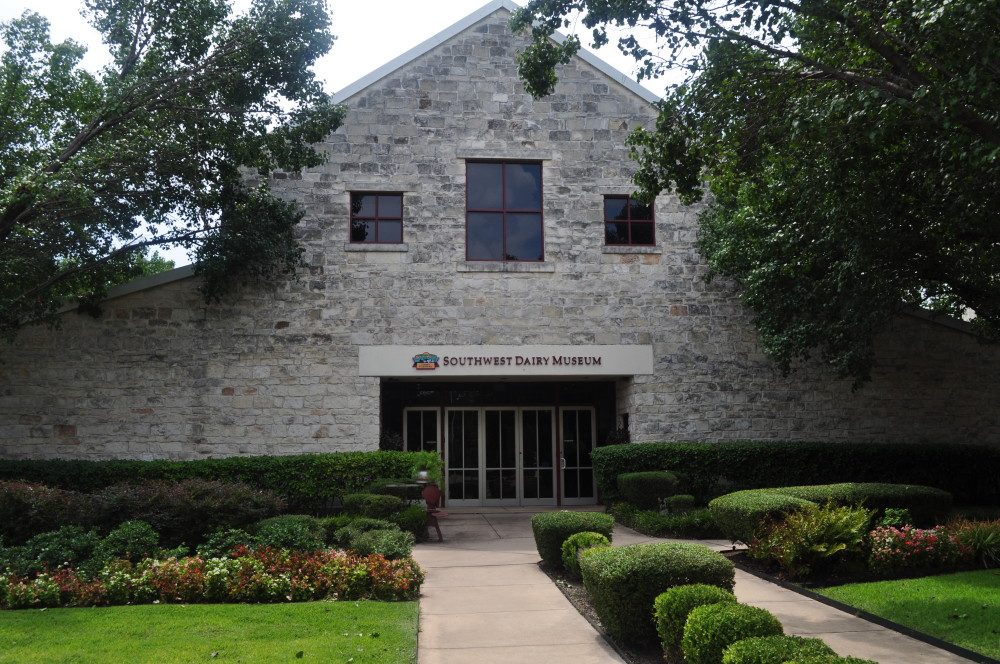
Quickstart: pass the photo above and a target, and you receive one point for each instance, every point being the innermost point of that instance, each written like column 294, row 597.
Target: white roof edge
column 140, row 284
column 467, row 22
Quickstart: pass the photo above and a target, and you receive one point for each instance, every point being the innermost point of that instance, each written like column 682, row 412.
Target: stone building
column 478, row 283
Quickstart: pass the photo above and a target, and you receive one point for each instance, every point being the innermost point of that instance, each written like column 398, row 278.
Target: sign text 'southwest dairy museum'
column 479, row 282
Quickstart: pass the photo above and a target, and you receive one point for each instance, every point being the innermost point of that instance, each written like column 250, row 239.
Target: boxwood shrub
column 291, row 531
column 393, row 544
column 372, row 505
column 696, row 523
column 644, row 489
column 576, row 543
column 671, row 609
column 739, row 515
column 552, row 528
column 773, row 650
column 711, row 629
column 309, row 482
column 624, row 581
column 971, row 473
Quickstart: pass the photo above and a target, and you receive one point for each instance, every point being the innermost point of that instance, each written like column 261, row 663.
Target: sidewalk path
column 486, row 601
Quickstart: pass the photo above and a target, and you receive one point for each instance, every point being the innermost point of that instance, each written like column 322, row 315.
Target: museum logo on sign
column 425, row 361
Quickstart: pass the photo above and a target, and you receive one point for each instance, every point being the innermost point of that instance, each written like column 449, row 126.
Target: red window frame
column 503, row 211
column 628, row 222
column 376, row 218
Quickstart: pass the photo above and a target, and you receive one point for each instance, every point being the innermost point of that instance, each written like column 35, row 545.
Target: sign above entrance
column 445, row 361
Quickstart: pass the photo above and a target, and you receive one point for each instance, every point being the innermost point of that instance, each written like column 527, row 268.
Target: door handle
column 562, row 463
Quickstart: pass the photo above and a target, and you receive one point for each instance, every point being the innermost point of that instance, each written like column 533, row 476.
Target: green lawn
column 368, row 632
column 962, row 608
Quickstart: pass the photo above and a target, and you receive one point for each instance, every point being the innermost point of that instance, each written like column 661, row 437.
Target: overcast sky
column 369, row 34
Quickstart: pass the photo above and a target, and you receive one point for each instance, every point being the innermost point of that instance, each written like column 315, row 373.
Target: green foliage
column 981, row 537
column 814, row 539
column 896, row 517
column 971, row 473
column 828, row 659
column 624, row 581
column 552, row 528
column 291, row 531
column 575, row 545
column 742, row 514
column 346, row 535
column 795, row 115
column 131, row 540
column 671, row 610
column 711, row 629
column 309, row 482
column 27, row 509
column 404, row 488
column 773, row 650
column 153, row 150
column 678, row 503
column 222, row 542
column 645, row 489
column 391, row 543
column 372, row 505
column 412, row 519
column 696, row 523
column 68, row 546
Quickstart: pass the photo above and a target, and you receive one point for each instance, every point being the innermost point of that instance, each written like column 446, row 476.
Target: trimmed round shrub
column 222, row 542
column 132, row 540
column 828, row 659
column 412, row 519
column 741, row 514
column 68, row 546
column 300, row 532
column 576, row 543
column 711, row 629
column 773, row 650
column 372, row 505
column 624, row 581
column 645, row 489
column 671, row 609
column 393, row 544
column 552, row 528
column 678, row 503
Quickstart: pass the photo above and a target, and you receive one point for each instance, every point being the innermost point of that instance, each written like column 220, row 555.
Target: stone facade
column 275, row 370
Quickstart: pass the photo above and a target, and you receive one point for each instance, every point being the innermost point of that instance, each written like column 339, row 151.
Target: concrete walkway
column 486, row 601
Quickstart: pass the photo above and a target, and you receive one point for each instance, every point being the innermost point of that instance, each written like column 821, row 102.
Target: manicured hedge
column 671, row 609
column 575, row 544
column 741, row 513
column 829, row 659
column 644, row 489
column 711, row 629
column 308, row 481
column 971, row 473
column 773, row 650
column 552, row 528
column 372, row 505
column 693, row 523
column 624, row 581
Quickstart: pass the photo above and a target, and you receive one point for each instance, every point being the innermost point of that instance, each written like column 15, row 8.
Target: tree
column 851, row 149
column 168, row 145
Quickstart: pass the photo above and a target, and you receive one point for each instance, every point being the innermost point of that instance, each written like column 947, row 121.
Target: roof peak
column 463, row 24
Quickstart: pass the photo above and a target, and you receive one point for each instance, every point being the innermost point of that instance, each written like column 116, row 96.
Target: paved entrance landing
column 486, row 601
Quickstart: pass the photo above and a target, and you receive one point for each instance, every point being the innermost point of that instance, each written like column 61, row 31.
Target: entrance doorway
column 511, row 456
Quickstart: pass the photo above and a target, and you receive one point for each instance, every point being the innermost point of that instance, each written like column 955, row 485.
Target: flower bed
column 908, row 550
column 261, row 575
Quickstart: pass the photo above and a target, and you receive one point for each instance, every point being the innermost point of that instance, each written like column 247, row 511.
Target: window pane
column 362, row 231
column 390, row 206
column 524, row 186
column 640, row 211
column 485, row 236
column 642, row 233
column 363, row 205
column 616, row 233
column 413, row 432
column 524, row 237
column 615, row 208
column 483, row 182
column 390, row 231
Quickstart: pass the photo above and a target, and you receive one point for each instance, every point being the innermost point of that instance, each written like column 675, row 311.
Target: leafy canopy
column 851, row 149
column 164, row 146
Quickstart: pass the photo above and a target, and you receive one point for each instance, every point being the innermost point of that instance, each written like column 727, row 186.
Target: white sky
column 369, row 34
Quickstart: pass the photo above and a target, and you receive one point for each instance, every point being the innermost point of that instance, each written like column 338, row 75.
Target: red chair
column 432, row 497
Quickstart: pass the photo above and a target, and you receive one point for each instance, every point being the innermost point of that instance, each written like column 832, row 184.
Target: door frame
column 406, row 426
column 535, row 502
column 463, row 502
column 518, row 480
column 563, row 500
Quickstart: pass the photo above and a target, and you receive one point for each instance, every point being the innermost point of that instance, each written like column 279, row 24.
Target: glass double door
column 509, row 456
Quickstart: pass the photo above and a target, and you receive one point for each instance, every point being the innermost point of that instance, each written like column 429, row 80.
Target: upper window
column 628, row 222
column 376, row 218
column 503, row 211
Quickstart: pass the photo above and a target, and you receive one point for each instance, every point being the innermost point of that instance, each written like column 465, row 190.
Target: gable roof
column 467, row 22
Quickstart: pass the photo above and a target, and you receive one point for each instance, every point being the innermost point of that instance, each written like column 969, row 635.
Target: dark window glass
column 504, row 216
column 628, row 222
column 376, row 218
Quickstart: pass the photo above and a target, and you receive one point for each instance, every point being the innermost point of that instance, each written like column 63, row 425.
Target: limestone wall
column 161, row 374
